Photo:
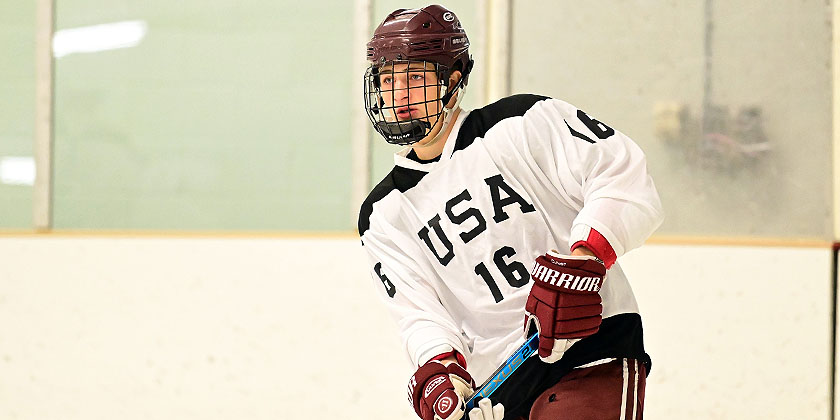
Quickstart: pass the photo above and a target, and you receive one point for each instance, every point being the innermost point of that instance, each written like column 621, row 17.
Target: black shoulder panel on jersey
column 481, row 120
column 401, row 179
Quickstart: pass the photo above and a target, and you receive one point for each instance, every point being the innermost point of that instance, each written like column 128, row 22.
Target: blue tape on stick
column 503, row 372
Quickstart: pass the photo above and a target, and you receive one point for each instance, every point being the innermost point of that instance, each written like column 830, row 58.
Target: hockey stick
column 503, row 372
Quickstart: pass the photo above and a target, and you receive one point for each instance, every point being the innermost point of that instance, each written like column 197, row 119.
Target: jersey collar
column 401, row 159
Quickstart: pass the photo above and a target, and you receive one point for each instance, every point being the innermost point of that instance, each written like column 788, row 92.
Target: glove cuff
column 583, row 235
column 454, row 353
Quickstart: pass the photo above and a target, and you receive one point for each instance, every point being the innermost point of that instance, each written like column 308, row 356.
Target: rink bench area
column 290, row 328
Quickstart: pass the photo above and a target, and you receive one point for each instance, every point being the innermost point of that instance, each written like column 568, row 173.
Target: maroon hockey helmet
column 432, row 36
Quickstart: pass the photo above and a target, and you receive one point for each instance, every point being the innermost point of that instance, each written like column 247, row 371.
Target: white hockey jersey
column 452, row 241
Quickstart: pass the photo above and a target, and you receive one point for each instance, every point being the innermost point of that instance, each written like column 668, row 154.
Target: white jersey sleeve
column 426, row 328
column 599, row 171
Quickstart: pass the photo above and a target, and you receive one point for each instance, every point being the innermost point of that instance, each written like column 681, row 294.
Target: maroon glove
column 438, row 392
column 564, row 304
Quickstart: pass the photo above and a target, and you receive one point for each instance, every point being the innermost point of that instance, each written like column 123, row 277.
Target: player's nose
column 400, row 83
column 400, row 89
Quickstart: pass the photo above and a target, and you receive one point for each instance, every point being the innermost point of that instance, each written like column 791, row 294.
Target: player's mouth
column 407, row 112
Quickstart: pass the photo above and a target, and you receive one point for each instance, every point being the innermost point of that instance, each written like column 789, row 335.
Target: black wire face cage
column 396, row 101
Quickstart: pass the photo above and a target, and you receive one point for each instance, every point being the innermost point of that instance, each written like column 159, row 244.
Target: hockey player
column 499, row 222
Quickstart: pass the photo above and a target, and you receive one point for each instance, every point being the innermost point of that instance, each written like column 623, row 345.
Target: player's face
column 409, row 91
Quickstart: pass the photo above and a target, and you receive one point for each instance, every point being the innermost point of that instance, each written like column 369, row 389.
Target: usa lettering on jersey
column 496, row 185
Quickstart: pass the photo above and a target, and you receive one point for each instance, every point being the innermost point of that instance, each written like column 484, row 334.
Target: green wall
column 227, row 115
column 17, row 105
column 236, row 115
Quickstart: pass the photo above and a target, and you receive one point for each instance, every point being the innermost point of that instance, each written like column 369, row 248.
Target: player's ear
column 453, row 81
column 454, row 78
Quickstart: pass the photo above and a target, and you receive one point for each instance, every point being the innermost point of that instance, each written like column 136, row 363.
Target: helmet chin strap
column 447, row 116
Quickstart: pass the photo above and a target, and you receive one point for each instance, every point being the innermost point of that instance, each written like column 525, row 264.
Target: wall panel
column 17, row 113
column 214, row 328
column 730, row 100
column 223, row 116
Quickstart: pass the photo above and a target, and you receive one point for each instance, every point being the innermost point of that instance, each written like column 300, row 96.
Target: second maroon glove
column 564, row 304
column 438, row 391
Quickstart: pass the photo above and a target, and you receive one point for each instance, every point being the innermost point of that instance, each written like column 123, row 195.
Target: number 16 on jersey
column 503, row 372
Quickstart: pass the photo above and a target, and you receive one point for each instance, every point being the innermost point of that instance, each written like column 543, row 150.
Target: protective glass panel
column 731, row 101
column 17, row 113
column 203, row 115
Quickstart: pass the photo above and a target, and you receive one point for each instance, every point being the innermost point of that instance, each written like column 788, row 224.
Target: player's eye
column 417, row 77
column 386, row 80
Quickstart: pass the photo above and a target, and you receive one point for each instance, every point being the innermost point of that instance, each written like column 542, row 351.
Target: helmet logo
column 448, row 16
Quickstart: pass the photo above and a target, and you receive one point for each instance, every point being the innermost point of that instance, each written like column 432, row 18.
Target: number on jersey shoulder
column 389, row 287
column 599, row 129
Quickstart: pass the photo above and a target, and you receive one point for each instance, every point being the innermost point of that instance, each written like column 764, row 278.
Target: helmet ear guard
column 460, row 84
column 374, row 74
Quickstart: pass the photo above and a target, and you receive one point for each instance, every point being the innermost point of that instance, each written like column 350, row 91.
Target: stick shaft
column 503, row 372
